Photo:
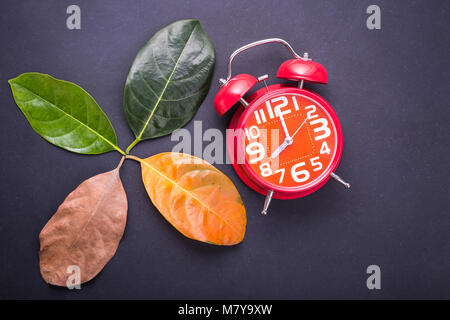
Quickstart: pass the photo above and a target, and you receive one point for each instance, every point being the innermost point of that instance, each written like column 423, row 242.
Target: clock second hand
column 287, row 142
column 299, row 128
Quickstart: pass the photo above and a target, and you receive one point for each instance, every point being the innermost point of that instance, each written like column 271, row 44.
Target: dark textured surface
column 390, row 89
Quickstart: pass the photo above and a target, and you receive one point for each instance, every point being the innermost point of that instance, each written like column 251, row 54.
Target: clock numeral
column 284, row 103
column 269, row 110
column 255, row 149
column 263, row 116
column 301, row 175
column 272, row 112
column 258, row 119
column 260, row 116
column 310, row 114
column 323, row 123
column 265, row 169
column 252, row 133
column 294, row 100
column 282, row 170
column 324, row 148
column 316, row 164
column 323, row 128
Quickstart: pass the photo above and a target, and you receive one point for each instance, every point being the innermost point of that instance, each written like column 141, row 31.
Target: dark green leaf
column 168, row 79
column 63, row 114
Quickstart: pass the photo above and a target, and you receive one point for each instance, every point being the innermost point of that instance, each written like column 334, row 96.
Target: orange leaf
column 196, row 198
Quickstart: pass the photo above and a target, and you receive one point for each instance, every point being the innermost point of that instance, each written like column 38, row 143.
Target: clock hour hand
column 280, row 148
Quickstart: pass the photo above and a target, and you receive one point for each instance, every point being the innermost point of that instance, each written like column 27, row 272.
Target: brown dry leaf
column 196, row 198
column 86, row 229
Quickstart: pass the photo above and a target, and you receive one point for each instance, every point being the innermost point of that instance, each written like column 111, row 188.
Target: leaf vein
column 165, row 87
column 146, row 83
column 157, row 65
column 186, row 97
column 188, row 193
column 138, row 100
column 70, row 116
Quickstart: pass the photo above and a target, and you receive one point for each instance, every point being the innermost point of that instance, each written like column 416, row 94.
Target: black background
column 389, row 88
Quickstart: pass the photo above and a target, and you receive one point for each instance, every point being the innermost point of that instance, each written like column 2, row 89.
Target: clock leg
column 340, row 180
column 267, row 202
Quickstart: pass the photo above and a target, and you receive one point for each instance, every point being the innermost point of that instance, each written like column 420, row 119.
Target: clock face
column 289, row 141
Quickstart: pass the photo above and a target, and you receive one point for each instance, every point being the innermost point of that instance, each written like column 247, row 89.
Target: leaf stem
column 120, row 150
column 129, row 156
column 135, row 142
column 121, row 162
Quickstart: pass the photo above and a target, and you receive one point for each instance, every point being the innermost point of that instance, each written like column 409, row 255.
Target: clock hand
column 283, row 123
column 280, row 148
column 288, row 141
column 299, row 127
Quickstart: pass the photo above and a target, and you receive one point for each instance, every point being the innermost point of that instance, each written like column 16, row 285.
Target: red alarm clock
column 284, row 141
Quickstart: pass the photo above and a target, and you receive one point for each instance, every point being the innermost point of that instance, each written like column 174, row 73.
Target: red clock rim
column 285, row 192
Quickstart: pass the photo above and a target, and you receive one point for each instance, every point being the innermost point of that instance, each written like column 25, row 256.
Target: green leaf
column 168, row 80
column 64, row 114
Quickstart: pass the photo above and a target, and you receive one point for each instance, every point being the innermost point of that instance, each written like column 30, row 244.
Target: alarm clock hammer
column 281, row 169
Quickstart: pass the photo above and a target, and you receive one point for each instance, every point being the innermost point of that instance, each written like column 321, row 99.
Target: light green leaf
column 64, row 114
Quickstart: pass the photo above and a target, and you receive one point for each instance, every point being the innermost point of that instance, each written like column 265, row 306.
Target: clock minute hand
column 287, row 140
column 283, row 123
